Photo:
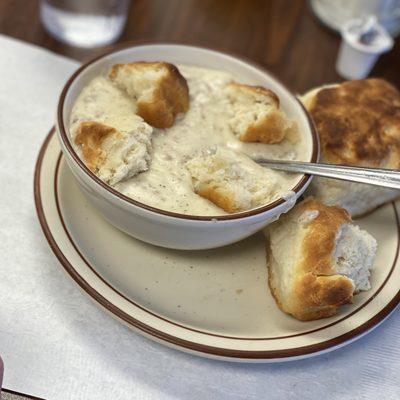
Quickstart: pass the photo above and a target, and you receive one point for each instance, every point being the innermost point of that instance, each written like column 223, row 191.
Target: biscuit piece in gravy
column 159, row 88
column 257, row 115
column 232, row 180
column 111, row 154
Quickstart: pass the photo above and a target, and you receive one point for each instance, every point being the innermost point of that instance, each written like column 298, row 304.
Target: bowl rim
column 125, row 199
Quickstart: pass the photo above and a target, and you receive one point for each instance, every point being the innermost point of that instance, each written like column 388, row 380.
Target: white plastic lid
column 367, row 35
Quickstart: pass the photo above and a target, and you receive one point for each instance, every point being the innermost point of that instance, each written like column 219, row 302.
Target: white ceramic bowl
column 160, row 227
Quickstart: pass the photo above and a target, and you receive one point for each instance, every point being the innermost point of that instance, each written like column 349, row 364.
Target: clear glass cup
column 84, row 23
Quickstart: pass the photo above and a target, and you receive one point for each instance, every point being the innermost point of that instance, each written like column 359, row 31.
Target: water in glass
column 88, row 23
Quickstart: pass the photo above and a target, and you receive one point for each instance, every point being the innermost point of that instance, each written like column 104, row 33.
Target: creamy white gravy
column 167, row 184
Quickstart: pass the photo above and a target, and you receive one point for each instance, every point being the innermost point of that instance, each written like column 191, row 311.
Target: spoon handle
column 388, row 178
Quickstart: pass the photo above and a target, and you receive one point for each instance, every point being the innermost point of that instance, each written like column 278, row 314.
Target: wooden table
column 281, row 35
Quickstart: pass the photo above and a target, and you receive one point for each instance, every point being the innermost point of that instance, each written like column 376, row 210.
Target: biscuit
column 111, row 154
column 317, row 260
column 160, row 90
column 257, row 115
column 358, row 124
column 231, row 180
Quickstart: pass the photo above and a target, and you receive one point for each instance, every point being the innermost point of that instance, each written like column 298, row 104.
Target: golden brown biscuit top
column 359, row 123
column 317, row 289
column 320, row 289
column 256, row 90
column 90, row 136
column 319, row 241
column 170, row 96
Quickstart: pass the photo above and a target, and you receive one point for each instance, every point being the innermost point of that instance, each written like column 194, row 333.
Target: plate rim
column 183, row 344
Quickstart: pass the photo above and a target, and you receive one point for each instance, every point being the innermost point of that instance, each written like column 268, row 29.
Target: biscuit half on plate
column 358, row 124
column 317, row 260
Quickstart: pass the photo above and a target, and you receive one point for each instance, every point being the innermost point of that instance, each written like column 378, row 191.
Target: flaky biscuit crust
column 358, row 123
column 220, row 196
column 270, row 129
column 317, row 290
column 90, row 135
column 170, row 95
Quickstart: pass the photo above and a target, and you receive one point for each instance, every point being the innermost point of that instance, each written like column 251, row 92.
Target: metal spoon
column 389, row 178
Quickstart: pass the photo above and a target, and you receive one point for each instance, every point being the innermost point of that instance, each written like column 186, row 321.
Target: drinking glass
column 84, row 23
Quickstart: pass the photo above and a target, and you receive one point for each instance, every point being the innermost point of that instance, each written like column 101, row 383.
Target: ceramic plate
column 214, row 303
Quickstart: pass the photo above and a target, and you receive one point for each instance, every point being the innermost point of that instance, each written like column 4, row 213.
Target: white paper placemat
column 57, row 344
